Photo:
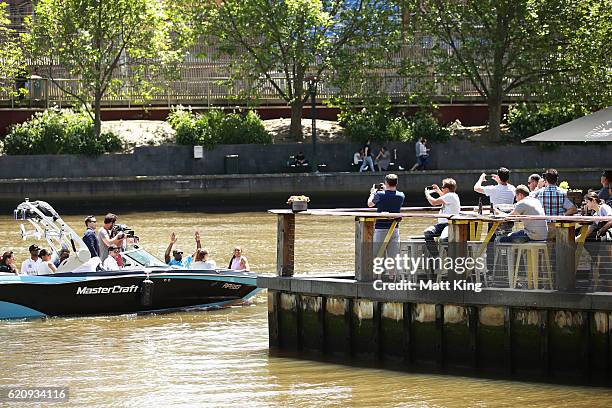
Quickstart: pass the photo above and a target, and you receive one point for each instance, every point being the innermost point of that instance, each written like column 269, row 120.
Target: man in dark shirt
column 90, row 239
column 389, row 200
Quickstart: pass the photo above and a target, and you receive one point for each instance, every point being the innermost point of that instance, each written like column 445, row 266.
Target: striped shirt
column 554, row 200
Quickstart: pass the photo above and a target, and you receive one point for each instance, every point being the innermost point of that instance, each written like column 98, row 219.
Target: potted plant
column 298, row 203
column 575, row 196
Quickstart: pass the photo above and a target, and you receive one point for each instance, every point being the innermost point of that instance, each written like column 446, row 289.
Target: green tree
column 585, row 59
column 92, row 39
column 283, row 42
column 500, row 46
column 11, row 58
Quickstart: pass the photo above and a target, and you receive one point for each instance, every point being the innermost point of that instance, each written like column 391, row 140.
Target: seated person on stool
column 449, row 200
column 535, row 230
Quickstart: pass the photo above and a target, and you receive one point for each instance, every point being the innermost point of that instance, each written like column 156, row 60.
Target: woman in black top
column 367, row 157
column 7, row 264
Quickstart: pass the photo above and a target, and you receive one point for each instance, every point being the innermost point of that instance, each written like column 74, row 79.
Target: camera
column 430, row 187
column 117, row 228
column 378, row 187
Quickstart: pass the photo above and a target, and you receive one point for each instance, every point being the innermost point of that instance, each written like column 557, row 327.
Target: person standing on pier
column 554, row 200
column 387, row 199
column 606, row 183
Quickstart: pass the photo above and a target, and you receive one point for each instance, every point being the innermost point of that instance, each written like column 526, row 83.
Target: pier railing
column 567, row 263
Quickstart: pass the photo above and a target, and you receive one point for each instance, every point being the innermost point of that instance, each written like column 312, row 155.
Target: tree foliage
column 500, row 46
column 107, row 44
column 283, row 42
column 11, row 58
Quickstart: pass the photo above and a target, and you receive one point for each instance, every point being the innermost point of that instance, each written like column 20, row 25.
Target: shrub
column 425, row 125
column 215, row 127
column 370, row 123
column 378, row 124
column 59, row 132
column 526, row 120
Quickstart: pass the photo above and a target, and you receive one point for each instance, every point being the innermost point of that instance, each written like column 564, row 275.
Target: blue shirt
column 91, row 240
column 183, row 263
column 387, row 201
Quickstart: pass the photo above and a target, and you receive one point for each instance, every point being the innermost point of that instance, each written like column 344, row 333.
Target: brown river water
column 220, row 358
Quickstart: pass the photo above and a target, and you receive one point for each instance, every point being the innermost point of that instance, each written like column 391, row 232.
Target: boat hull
column 106, row 293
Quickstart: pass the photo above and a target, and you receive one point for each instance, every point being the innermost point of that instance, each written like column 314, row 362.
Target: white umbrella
column 596, row 127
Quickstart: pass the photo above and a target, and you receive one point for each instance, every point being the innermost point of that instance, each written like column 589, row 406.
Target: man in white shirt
column 502, row 193
column 451, row 205
column 110, row 263
column 30, row 265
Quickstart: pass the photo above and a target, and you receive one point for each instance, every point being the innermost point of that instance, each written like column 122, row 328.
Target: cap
column 177, row 251
column 33, row 247
column 112, row 247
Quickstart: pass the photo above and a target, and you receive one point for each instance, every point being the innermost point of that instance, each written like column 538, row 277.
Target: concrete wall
column 259, row 191
column 263, row 159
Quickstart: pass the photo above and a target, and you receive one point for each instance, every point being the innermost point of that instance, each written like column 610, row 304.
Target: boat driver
column 110, row 263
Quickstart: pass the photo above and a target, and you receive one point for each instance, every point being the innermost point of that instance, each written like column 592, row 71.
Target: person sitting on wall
column 239, row 262
column 300, row 160
column 358, row 158
column 383, row 159
column 535, row 230
column 7, row 263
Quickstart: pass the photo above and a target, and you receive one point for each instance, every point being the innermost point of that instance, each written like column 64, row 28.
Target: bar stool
column 504, row 251
column 532, row 250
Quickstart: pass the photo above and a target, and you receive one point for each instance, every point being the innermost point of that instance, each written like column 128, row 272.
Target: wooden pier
column 557, row 335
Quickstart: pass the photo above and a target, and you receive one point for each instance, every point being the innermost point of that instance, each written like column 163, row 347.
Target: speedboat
column 81, row 288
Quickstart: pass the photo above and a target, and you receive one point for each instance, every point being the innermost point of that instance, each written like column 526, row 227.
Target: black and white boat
column 80, row 288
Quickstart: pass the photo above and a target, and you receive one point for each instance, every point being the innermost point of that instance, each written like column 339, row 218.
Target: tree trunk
column 495, row 107
column 296, row 120
column 97, row 117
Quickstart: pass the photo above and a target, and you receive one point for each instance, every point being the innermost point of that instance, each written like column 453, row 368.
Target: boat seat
column 82, row 255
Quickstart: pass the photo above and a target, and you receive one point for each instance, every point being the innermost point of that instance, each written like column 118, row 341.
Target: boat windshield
column 142, row 257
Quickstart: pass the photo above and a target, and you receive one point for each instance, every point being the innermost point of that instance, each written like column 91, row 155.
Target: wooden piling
column 285, row 244
column 364, row 256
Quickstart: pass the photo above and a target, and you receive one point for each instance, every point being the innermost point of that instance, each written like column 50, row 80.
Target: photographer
column 386, row 198
column 106, row 238
column 449, row 200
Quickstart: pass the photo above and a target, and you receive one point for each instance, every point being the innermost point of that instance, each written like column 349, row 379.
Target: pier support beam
column 458, row 234
column 285, row 244
column 364, row 256
column 565, row 256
